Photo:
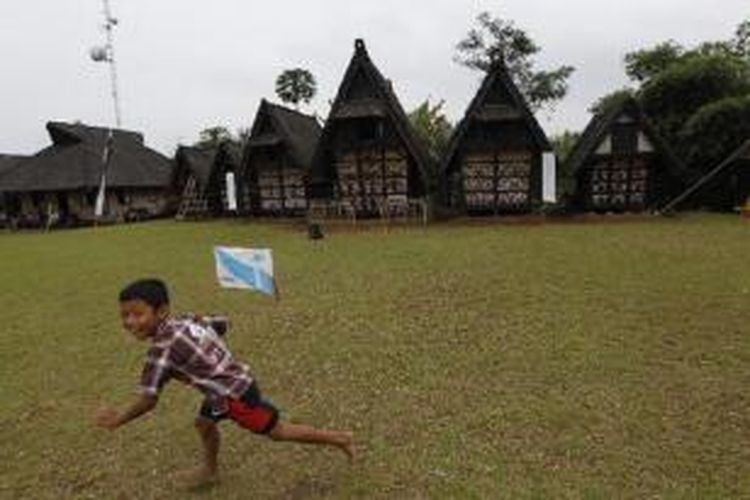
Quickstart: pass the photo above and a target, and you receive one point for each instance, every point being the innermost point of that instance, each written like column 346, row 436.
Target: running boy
column 189, row 349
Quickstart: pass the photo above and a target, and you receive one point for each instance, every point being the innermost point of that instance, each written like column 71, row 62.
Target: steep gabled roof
column 601, row 124
column 741, row 153
column 298, row 132
column 75, row 160
column 198, row 162
column 479, row 109
column 207, row 164
column 385, row 104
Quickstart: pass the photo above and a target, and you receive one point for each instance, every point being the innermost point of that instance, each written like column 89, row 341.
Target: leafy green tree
column 695, row 96
column 498, row 40
column 242, row 135
column 645, row 64
column 213, row 137
column 642, row 65
column 610, row 100
column 715, row 130
column 563, row 144
column 432, row 126
column 741, row 41
column 296, row 85
column 679, row 92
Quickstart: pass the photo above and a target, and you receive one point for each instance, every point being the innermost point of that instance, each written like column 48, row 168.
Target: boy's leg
column 262, row 417
column 211, row 439
column 208, row 472
column 285, row 431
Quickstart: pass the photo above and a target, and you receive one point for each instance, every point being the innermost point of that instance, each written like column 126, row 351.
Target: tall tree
column 715, row 130
column 564, row 143
column 642, row 65
column 676, row 94
column 242, row 135
column 432, row 126
column 741, row 39
column 697, row 97
column 496, row 40
column 610, row 100
column 213, row 137
column 216, row 136
column 295, row 86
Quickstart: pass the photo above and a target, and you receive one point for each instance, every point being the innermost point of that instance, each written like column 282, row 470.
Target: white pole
column 109, row 27
column 100, row 196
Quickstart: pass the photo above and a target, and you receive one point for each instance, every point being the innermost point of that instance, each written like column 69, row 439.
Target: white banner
column 231, row 192
column 549, row 177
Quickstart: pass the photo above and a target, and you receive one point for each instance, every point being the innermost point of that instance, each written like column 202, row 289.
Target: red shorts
column 251, row 411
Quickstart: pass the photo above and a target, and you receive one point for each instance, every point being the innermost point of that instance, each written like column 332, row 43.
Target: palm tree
column 295, row 85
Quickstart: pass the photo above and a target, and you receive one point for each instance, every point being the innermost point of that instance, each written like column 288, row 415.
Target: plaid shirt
column 190, row 350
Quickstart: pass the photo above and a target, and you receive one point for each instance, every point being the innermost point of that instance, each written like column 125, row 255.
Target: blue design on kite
column 247, row 274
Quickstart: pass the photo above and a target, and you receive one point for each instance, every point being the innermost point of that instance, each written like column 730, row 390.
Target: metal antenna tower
column 107, row 54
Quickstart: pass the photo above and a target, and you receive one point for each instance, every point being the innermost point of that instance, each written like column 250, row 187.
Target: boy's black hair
column 151, row 291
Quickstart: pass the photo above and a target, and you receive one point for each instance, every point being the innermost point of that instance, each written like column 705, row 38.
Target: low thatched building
column 203, row 177
column 621, row 164
column 277, row 160
column 63, row 180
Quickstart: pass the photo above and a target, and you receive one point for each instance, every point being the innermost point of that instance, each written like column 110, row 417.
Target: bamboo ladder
column 193, row 200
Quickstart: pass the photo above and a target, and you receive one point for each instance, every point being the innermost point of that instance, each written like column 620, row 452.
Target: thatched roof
column 8, row 162
column 601, row 124
column 481, row 110
column 740, row 154
column 384, row 104
column 74, row 161
column 207, row 165
column 276, row 125
column 195, row 161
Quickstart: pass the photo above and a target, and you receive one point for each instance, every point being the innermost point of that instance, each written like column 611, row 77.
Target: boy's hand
column 108, row 418
column 111, row 419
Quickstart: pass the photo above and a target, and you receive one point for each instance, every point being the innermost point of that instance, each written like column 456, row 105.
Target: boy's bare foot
column 197, row 477
column 347, row 445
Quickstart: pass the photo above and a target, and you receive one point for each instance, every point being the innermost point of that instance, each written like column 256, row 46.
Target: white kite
column 245, row 268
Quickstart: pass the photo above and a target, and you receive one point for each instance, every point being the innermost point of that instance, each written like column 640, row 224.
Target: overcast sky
column 188, row 64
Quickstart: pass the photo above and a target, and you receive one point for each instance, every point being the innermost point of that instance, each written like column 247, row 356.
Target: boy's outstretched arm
column 109, row 418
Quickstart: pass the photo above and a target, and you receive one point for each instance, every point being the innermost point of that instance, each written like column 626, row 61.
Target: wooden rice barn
column 494, row 161
column 62, row 181
column 277, row 160
column 725, row 188
column 201, row 178
column 369, row 162
column 621, row 164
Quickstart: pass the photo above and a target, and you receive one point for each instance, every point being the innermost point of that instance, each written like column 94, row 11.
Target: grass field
column 607, row 360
